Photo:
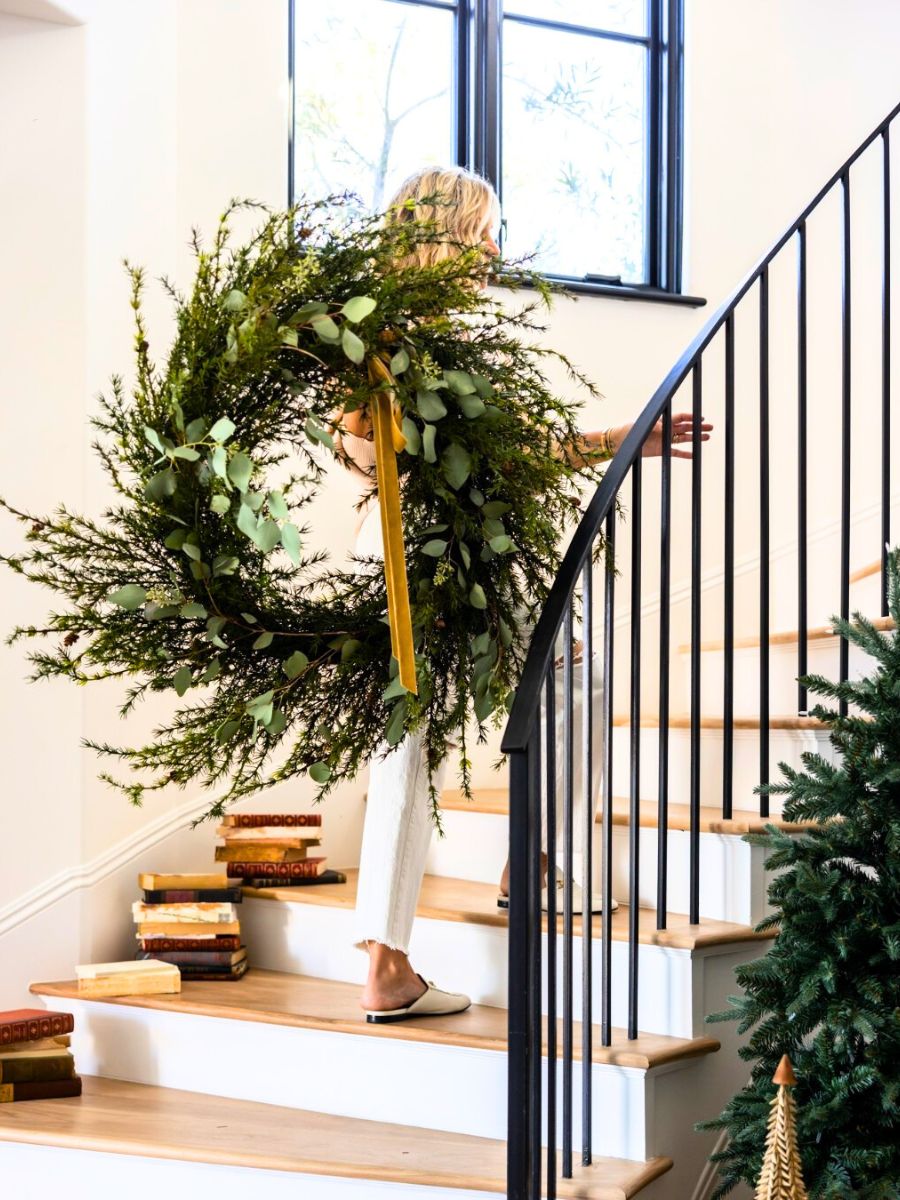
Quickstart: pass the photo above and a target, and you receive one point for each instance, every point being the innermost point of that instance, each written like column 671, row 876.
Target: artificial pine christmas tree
column 781, row 1177
column 828, row 991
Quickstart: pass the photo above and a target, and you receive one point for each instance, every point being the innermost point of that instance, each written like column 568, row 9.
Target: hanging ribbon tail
column 386, row 432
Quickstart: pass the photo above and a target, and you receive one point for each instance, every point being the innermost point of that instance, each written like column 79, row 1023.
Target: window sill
column 618, row 291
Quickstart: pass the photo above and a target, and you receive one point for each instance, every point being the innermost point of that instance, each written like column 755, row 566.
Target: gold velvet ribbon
column 389, row 441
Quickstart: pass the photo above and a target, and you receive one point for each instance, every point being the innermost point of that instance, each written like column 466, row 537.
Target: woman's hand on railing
column 682, row 432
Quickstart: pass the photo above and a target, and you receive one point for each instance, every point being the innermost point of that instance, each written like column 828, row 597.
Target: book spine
column 49, row 1089
column 35, row 1070
column 309, row 867
column 214, row 972
column 191, row 957
column 327, row 876
column 37, row 1027
column 286, row 820
column 163, row 944
column 192, row 896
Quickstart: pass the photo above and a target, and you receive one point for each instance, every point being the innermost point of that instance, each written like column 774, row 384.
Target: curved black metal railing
column 538, row 1115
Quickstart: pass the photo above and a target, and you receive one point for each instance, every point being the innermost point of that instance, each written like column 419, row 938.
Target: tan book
column 7, row 1053
column 248, row 852
column 152, row 882
column 199, row 913
column 127, row 966
column 49, row 1043
column 274, row 834
column 139, row 983
column 185, row 929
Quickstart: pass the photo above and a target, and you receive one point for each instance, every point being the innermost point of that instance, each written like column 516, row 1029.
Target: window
column 572, row 108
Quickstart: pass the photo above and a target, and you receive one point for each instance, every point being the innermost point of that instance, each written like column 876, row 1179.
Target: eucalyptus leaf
column 154, row 439
column 456, row 464
column 465, row 554
column 188, row 453
column 254, row 500
column 483, row 705
column 192, row 551
column 396, row 723
column 192, row 610
column 195, row 430
column 496, row 508
column 434, row 529
column 277, row 505
column 234, row 301
column 239, row 470
column 182, row 680
column 268, row 536
column 219, row 462
column 428, row 435
column 412, row 435
column 349, row 648
column 249, row 618
column 319, row 772
column 354, row 347
column 394, row 690
column 227, row 730
column 175, row 540
column 477, row 597
column 501, row 544
column 435, row 549
column 290, row 540
column 325, row 329
column 400, row 362
column 312, row 309
column 247, row 521
column 222, row 430
column 130, row 597
column 264, row 639
column 482, row 387
column 318, row 433
column 430, row 406
column 288, row 336
column 472, row 406
column 220, row 504
column 358, row 308
column 460, row 382
column 295, row 664
column 213, row 671
column 162, row 484
column 225, row 564
column 277, row 723
column 476, row 497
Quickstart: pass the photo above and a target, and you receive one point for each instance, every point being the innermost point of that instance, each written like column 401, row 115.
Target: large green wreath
column 197, row 581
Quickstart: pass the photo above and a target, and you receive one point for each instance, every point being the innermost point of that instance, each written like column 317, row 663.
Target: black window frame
column 477, row 132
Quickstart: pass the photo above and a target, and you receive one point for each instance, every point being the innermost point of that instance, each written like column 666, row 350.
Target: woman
column 398, row 821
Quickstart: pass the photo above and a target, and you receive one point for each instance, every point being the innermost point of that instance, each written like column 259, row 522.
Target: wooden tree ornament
column 781, row 1177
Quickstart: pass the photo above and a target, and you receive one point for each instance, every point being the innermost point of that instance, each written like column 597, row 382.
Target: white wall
column 121, row 133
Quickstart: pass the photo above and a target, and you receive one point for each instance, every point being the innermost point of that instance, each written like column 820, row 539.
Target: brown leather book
column 43, row 1089
column 288, row 820
column 28, row 1024
column 37, row 1068
column 148, row 929
column 327, row 876
column 201, row 973
column 312, row 866
column 162, row 944
column 250, row 852
column 196, row 958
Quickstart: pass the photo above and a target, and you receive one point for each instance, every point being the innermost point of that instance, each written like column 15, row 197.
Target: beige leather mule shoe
column 432, row 1003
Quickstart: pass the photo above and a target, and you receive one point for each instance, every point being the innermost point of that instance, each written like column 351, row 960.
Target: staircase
column 549, row 1085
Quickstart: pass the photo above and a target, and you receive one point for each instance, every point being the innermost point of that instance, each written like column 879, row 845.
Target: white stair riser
column 732, row 878
column 93, row 1175
column 822, row 659
column 344, row 1074
column 316, row 940
column 785, row 745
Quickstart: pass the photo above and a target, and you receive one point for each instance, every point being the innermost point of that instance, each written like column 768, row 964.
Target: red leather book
column 29, row 1024
column 309, row 866
column 287, row 820
column 44, row 1089
column 225, row 941
column 197, row 958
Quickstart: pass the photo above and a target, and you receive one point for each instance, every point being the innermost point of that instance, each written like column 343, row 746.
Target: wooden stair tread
column 446, row 899
column 304, row 1002
column 783, row 638
column 113, row 1116
column 495, row 801
column 683, row 721
column 864, row 572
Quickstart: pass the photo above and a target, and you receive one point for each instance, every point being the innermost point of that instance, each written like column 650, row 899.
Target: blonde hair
column 465, row 204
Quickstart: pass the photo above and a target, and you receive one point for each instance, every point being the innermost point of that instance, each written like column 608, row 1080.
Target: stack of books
column 35, row 1060
column 190, row 922
column 273, row 849
column 130, row 978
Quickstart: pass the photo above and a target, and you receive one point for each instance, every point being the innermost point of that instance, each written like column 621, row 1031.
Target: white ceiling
column 44, row 10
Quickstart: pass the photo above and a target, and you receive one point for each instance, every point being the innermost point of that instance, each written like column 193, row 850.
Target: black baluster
column 568, row 855
column 696, row 527
column 665, row 565
column 845, row 429
column 587, row 882
column 550, row 727
column 886, row 372
column 764, row 536
column 728, row 652
column 534, row 959
column 802, row 577
column 606, row 831
column 519, row 1066
column 634, row 829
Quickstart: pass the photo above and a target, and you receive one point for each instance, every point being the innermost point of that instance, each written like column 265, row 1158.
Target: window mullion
column 487, row 99
column 653, row 160
column 674, row 145
column 462, row 82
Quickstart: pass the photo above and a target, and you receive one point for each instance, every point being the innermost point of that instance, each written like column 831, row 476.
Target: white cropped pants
column 398, row 824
